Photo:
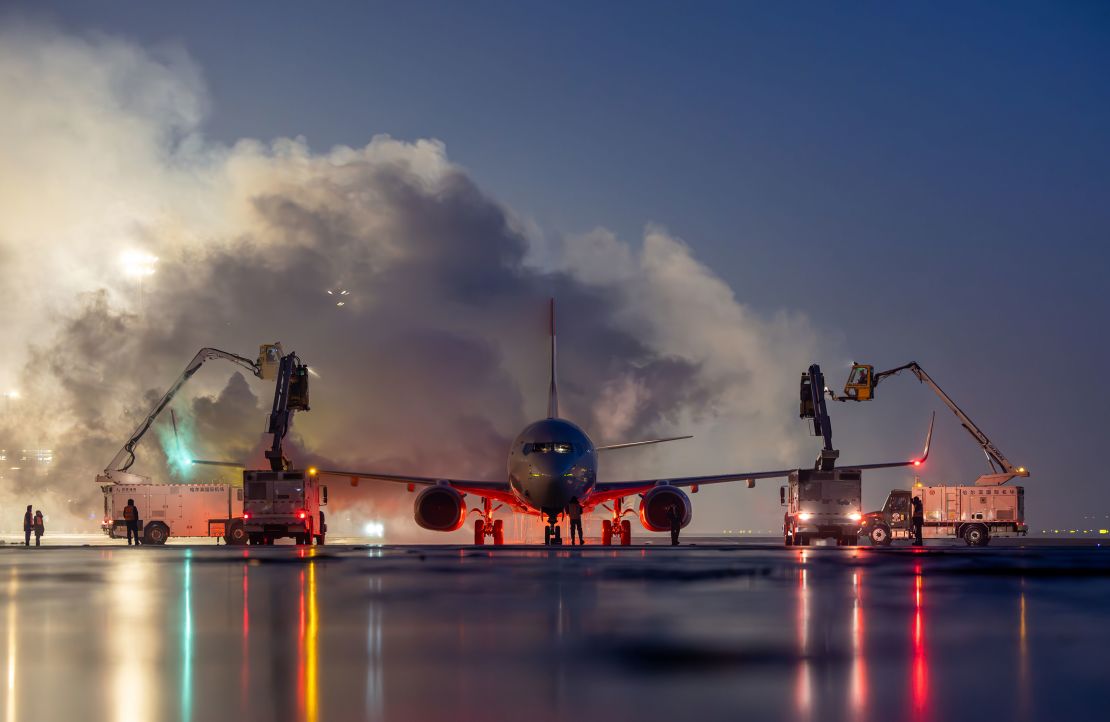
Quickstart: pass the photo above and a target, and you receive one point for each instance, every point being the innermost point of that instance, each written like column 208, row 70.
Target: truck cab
column 821, row 505
column 284, row 504
column 892, row 522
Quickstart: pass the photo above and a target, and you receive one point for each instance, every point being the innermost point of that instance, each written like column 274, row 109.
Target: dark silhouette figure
column 28, row 526
column 675, row 517
column 40, row 528
column 131, row 518
column 918, row 521
column 574, row 513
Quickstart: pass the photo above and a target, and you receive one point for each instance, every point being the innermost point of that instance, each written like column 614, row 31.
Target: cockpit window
column 549, row 447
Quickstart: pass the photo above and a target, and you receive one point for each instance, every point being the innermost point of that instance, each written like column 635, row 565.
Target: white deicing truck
column 207, row 509
column 974, row 513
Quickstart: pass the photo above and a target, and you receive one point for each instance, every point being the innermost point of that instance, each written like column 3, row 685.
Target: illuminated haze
column 438, row 356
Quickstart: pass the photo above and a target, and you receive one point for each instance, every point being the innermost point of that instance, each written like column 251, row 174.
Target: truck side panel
column 186, row 509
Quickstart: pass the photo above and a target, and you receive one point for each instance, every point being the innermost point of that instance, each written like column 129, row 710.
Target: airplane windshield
column 549, row 447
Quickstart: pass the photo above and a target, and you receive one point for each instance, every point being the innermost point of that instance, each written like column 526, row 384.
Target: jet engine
column 654, row 505
column 439, row 508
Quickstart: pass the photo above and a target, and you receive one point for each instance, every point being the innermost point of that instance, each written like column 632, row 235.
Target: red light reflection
column 244, row 662
column 920, row 679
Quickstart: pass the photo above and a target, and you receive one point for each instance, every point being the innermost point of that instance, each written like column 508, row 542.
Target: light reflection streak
column 920, row 680
column 1023, row 658
column 858, row 683
column 244, row 662
column 187, row 640
column 307, row 643
column 374, row 683
column 10, row 708
column 803, row 690
column 131, row 617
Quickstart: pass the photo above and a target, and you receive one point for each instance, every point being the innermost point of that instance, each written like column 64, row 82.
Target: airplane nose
column 551, row 487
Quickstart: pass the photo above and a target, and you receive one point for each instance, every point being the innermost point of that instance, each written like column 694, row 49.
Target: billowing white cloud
column 436, row 358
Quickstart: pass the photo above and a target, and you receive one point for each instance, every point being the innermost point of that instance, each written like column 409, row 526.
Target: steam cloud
column 434, row 363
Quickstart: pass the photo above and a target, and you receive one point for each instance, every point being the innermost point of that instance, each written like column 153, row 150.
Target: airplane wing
column 497, row 490
column 628, row 444
column 606, row 491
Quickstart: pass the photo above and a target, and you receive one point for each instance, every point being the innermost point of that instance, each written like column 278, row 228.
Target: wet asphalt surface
column 523, row 633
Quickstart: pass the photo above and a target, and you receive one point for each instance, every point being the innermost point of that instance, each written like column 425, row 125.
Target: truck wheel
column 156, row 533
column 849, row 540
column 320, row 540
column 236, row 535
column 480, row 532
column 801, row 540
column 880, row 535
column 976, row 535
column 626, row 532
column 606, row 532
column 498, row 532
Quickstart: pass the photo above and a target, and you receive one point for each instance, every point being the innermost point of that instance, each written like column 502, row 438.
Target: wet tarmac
column 447, row 633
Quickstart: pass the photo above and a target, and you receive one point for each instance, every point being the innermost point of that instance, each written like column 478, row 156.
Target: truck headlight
column 855, row 516
column 805, row 516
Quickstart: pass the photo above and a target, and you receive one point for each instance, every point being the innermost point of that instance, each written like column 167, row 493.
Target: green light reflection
column 187, row 641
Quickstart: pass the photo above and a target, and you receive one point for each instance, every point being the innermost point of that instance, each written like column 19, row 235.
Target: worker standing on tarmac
column 40, row 528
column 131, row 518
column 918, row 521
column 676, row 523
column 28, row 526
column 574, row 512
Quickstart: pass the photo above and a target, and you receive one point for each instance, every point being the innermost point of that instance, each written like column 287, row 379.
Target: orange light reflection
column 858, row 689
column 803, row 688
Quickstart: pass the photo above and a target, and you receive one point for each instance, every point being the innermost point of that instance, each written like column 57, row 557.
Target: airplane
column 550, row 462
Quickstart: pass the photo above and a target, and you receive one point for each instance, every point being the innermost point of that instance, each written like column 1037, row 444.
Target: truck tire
column 976, row 535
column 156, row 533
column 801, row 540
column 236, row 535
column 848, row 540
column 319, row 540
column 880, row 535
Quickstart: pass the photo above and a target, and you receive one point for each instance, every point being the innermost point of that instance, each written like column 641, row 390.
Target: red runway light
column 917, row 463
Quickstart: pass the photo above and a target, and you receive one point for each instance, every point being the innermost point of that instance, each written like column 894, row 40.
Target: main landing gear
column 617, row 526
column 487, row 526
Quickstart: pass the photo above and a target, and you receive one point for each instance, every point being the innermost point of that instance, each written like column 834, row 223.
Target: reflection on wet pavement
column 446, row 633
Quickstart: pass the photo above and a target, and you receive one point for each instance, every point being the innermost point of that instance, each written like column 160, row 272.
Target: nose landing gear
column 552, row 533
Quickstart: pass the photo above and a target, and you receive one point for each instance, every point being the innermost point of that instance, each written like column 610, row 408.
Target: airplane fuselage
column 550, row 462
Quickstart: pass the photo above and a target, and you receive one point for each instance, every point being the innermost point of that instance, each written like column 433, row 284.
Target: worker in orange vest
column 40, row 528
column 131, row 517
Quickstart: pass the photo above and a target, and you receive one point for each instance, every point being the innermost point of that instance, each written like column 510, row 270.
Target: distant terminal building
column 25, row 463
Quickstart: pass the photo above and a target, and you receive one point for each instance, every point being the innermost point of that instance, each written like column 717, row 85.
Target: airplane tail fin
column 553, row 391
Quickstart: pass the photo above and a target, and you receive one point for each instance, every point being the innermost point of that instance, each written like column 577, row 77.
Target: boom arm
column 290, row 394
column 813, row 407
column 125, row 457
column 1003, row 470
